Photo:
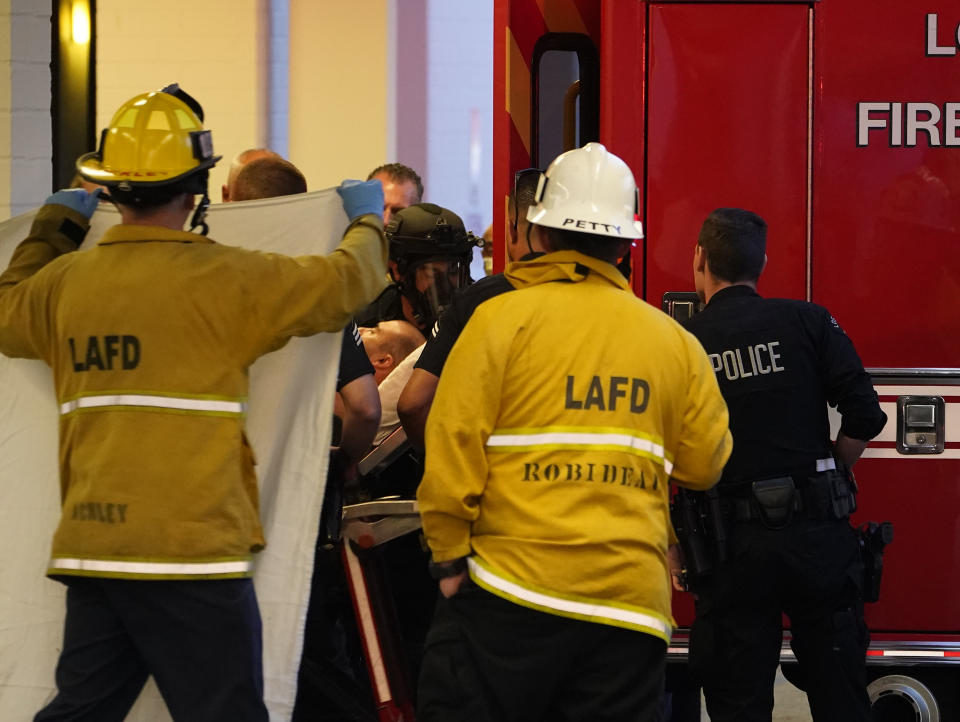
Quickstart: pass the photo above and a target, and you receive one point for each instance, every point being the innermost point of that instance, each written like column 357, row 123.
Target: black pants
column 201, row 641
column 809, row 570
column 490, row 660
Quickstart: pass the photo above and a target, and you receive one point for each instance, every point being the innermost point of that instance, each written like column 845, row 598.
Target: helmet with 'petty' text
column 588, row 190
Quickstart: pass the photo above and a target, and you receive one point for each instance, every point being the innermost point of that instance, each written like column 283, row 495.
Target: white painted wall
column 278, row 77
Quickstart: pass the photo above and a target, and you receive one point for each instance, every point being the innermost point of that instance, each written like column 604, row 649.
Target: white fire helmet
column 588, row 190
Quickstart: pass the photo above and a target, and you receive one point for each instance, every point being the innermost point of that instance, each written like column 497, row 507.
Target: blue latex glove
column 361, row 197
column 76, row 199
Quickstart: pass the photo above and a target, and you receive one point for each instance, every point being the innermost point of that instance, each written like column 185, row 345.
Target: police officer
column 414, row 403
column 544, row 498
column 784, row 496
column 430, row 253
column 150, row 335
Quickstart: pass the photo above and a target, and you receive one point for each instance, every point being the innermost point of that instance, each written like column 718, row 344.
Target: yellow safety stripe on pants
column 588, row 610
column 558, row 438
column 183, row 404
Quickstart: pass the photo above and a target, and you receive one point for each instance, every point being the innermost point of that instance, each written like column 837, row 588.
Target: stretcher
column 376, row 581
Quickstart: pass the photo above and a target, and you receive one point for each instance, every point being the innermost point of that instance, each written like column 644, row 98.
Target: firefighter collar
column 570, row 266
column 128, row 233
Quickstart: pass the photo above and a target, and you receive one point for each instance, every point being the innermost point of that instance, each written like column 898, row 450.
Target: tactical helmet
column 155, row 141
column 432, row 251
column 588, row 190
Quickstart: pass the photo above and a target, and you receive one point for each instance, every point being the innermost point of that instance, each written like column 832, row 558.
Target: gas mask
column 429, row 285
column 432, row 251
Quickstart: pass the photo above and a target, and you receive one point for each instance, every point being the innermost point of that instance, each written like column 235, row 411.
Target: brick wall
column 218, row 50
column 25, row 130
column 214, row 49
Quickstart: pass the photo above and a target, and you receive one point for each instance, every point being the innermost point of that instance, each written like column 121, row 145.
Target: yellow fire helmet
column 155, row 140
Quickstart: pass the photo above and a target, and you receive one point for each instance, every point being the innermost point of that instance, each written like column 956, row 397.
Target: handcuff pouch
column 775, row 501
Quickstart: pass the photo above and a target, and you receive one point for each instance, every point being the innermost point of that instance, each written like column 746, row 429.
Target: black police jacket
column 464, row 302
column 779, row 362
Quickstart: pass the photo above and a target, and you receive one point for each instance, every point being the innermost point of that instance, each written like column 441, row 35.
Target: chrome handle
column 920, row 424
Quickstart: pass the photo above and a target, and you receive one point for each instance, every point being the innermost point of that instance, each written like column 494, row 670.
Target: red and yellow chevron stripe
column 518, row 24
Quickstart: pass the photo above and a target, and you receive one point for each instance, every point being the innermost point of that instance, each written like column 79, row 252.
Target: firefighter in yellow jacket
column 150, row 335
column 561, row 415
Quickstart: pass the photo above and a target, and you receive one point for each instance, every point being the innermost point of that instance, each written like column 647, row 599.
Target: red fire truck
column 839, row 122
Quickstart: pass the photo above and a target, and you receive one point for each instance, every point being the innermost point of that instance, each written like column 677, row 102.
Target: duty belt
column 826, row 494
column 742, row 487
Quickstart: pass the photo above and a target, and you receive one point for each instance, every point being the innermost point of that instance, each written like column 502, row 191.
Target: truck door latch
column 920, row 424
column 681, row 305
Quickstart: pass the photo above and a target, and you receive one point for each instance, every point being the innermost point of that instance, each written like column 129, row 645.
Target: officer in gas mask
column 430, row 253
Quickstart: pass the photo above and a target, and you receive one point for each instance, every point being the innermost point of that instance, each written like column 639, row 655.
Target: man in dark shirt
column 784, row 496
column 418, row 394
column 357, row 405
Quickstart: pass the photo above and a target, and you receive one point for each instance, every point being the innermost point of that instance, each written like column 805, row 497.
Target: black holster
column 830, row 495
column 701, row 531
column 873, row 538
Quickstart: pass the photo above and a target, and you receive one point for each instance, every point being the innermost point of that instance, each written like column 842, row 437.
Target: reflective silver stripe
column 371, row 642
column 826, row 464
column 99, row 565
column 589, row 610
column 583, row 438
column 161, row 402
column 911, row 653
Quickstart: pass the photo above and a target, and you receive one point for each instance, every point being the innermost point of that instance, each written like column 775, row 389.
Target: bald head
column 237, row 165
column 268, row 177
column 388, row 343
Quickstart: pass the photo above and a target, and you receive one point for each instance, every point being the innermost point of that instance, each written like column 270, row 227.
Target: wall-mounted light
column 73, row 84
column 80, row 22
